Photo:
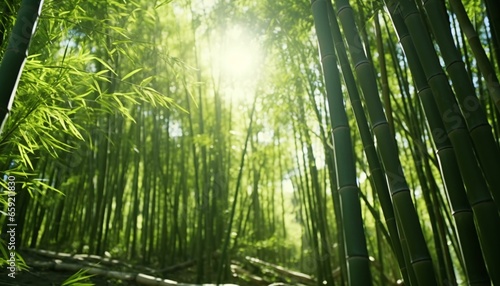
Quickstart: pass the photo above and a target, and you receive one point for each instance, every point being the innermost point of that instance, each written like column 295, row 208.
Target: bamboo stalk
column 355, row 241
column 485, row 147
column 16, row 53
column 404, row 208
column 377, row 172
column 404, row 16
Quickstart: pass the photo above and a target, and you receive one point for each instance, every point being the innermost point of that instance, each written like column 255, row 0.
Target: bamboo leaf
column 104, row 64
column 146, row 81
column 131, row 73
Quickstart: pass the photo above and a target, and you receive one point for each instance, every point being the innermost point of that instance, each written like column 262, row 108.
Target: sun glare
column 239, row 56
column 237, row 62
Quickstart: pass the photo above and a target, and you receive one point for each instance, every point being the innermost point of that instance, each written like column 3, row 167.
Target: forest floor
column 43, row 272
column 47, row 276
column 41, row 277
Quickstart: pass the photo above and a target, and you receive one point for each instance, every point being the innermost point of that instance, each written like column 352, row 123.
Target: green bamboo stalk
column 493, row 40
column 133, row 221
column 122, row 163
column 7, row 9
column 383, row 72
column 216, row 193
column 309, row 186
column 443, row 228
column 223, row 267
column 203, row 220
column 155, row 209
column 145, row 185
column 485, row 66
column 492, row 8
column 307, row 201
column 16, row 53
column 317, row 198
column 355, row 241
column 475, row 117
column 427, row 71
column 282, row 191
column 377, row 173
column 168, row 175
column 439, row 236
column 401, row 197
column 131, row 229
column 449, row 169
column 411, row 278
column 421, row 159
column 197, row 188
column 329, row 158
column 327, row 142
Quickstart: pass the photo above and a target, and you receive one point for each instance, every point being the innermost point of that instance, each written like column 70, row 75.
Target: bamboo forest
column 250, row 142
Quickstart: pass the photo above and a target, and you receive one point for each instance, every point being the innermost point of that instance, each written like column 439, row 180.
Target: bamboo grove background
column 362, row 147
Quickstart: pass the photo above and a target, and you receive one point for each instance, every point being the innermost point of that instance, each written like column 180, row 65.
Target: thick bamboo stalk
column 492, row 8
column 404, row 13
column 484, row 64
column 377, row 172
column 418, row 251
column 356, row 249
column 475, row 269
column 475, row 117
column 16, row 53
